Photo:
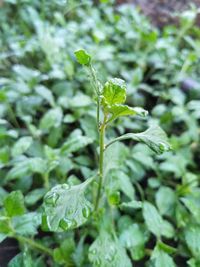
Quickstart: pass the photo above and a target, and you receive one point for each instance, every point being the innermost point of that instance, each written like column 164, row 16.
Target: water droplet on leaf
column 65, row 224
column 51, row 198
column 86, row 212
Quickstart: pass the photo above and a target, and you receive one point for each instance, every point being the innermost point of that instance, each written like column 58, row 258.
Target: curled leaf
column 118, row 110
column 154, row 137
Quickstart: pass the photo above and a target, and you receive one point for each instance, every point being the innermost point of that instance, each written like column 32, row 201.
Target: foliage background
column 48, row 133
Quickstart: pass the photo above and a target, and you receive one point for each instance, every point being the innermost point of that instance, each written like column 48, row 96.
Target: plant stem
column 97, row 89
column 101, row 158
column 34, row 244
column 46, row 180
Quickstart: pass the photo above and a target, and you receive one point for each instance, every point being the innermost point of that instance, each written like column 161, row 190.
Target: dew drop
column 45, row 224
column 93, row 251
column 65, row 224
column 52, row 198
column 64, row 186
column 86, row 212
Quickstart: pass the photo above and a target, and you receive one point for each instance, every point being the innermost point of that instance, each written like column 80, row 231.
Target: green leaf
column 64, row 253
column 114, row 92
column 155, row 223
column 21, row 145
column 132, row 204
column 2, row 237
column 133, row 239
column 34, row 196
column 118, row 110
column 108, row 252
column 3, row 194
column 65, row 207
column 75, row 142
column 154, row 137
column 82, row 57
column 51, row 119
column 27, row 224
column 160, row 258
column 4, row 225
column 14, row 204
column 118, row 153
column 192, row 237
column 192, row 203
column 46, row 94
column 166, row 200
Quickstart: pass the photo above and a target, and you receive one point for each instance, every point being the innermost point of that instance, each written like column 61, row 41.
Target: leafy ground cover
column 148, row 214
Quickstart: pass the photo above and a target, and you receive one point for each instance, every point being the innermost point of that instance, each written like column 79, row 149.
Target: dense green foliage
column 149, row 213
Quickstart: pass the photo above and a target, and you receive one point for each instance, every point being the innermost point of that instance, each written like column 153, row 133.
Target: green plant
column 66, row 207
column 48, row 132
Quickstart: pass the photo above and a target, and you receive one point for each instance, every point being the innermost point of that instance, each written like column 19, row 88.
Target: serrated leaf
column 14, row 204
column 82, row 57
column 155, row 223
column 114, row 92
column 65, row 207
column 119, row 110
column 21, row 145
column 160, row 258
column 108, row 252
column 154, row 137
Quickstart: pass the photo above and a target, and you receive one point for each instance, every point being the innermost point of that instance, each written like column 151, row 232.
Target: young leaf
column 154, row 137
column 118, row 110
column 155, row 222
column 82, row 57
column 65, row 207
column 114, row 92
column 108, row 252
column 14, row 204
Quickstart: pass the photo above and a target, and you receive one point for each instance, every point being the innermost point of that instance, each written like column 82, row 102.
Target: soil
column 161, row 12
column 8, row 249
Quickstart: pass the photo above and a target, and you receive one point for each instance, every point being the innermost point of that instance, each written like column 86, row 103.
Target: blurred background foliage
column 48, row 132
